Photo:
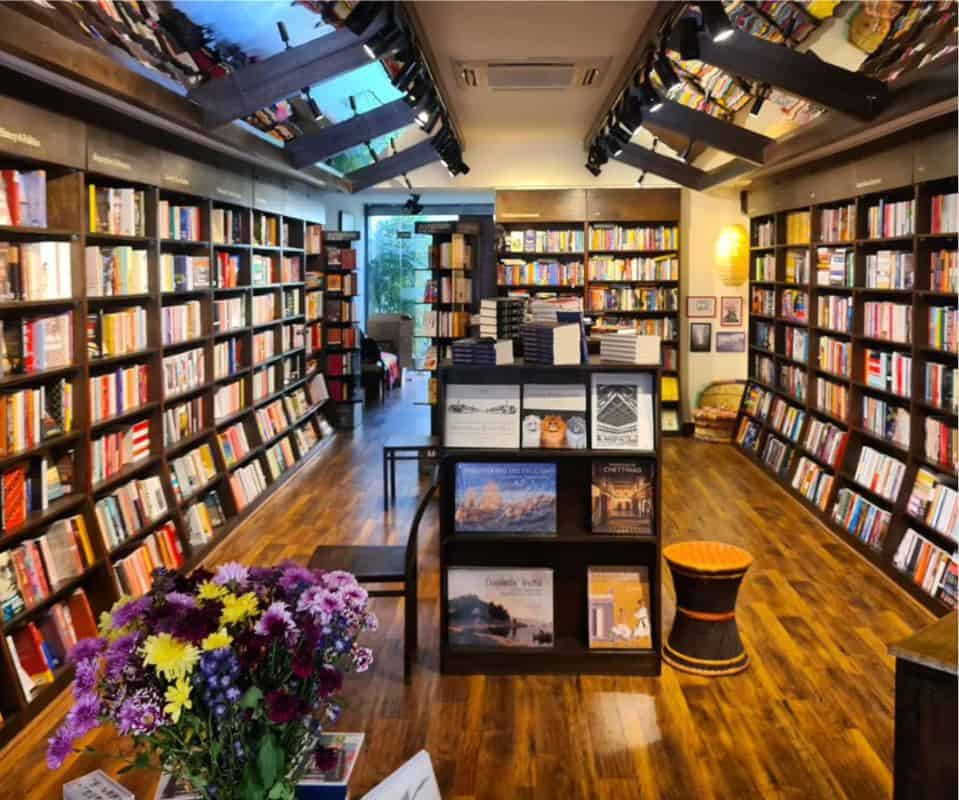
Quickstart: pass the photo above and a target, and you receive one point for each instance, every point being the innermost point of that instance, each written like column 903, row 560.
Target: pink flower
column 276, row 622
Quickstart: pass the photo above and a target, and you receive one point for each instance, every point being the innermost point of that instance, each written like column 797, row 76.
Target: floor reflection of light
column 637, row 714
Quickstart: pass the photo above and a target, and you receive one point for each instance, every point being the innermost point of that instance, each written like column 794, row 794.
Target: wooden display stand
column 569, row 552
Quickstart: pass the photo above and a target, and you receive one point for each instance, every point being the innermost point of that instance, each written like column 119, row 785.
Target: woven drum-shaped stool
column 704, row 639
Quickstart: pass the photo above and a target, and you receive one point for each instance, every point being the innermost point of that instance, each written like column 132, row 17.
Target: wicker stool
column 704, row 639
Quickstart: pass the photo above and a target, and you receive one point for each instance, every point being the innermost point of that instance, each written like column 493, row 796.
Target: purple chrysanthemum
column 338, row 579
column 85, row 714
column 139, row 714
column 181, row 600
column 295, row 577
column 232, row 572
column 370, row 621
column 85, row 677
column 120, row 654
column 87, row 649
column 276, row 622
column 131, row 612
column 362, row 658
column 59, row 747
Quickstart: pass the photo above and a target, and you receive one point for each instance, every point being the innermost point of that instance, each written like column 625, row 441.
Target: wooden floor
column 811, row 718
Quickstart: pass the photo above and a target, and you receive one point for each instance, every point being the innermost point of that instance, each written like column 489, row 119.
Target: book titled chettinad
column 621, row 497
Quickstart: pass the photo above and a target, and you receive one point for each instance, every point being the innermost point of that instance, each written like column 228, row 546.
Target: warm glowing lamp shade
column 732, row 255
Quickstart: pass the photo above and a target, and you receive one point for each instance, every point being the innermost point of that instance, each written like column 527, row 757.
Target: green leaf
column 269, row 760
column 252, row 698
column 281, row 791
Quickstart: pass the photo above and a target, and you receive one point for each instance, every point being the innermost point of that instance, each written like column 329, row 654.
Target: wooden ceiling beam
column 419, row 155
column 646, row 160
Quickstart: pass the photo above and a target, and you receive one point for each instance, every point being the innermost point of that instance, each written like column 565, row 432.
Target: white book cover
column 479, row 415
column 622, row 411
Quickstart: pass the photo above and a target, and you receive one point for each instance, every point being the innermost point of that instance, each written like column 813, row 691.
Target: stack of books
column 483, row 351
column 552, row 343
column 626, row 347
column 501, row 317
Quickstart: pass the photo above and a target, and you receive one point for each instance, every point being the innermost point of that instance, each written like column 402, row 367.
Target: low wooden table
column 925, row 760
column 704, row 639
column 404, row 448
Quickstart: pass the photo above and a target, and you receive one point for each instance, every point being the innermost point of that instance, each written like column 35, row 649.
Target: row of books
column 346, row 337
column 271, row 420
column 160, row 549
column 29, row 416
column 182, row 223
column 792, row 380
column 181, row 273
column 747, row 436
column 757, row 401
column 798, row 225
column 32, row 485
column 797, row 266
column 314, row 239
column 835, row 355
column 512, row 271
column 444, row 323
column 889, row 269
column 117, row 211
column 183, row 371
column 794, row 305
column 35, row 271
column 944, row 213
column 764, row 369
column 940, row 386
column 764, row 335
column 314, row 305
column 111, row 452
column 116, row 333
column 116, row 271
column 192, row 471
column 448, row 289
column 292, row 336
column 887, row 320
column 264, row 308
column 341, row 364
column 229, row 398
column 291, row 303
column 835, row 312
column 203, row 518
column 229, row 314
column 117, row 392
column 247, row 483
column 633, row 237
column 36, row 345
column 866, row 521
column 609, row 268
column 835, row 266
column 812, row 482
column 880, row 473
column 837, row 224
column 886, row 420
column 182, row 322
column 343, row 283
column 891, row 218
column 764, row 233
column 182, row 421
column 944, row 271
column 941, row 443
column 786, row 419
column 264, row 383
column 35, row 569
column 633, row 299
column 889, row 371
column 763, row 301
column 226, row 270
column 263, row 346
column 943, row 332
column 125, row 511
column 934, row 503
column 774, row 455
column 266, row 230
column 23, row 198
column 796, row 343
column 544, row 241
column 764, row 267
column 280, row 457
column 826, row 441
column 234, row 443
column 345, row 257
column 454, row 254
column 833, row 398
column 226, row 226
column 500, row 318
column 931, row 568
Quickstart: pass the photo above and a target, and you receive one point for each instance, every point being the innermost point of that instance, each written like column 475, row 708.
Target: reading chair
column 389, row 564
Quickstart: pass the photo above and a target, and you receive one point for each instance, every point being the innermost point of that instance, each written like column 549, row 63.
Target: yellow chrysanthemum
column 106, row 623
column 211, row 591
column 171, row 658
column 237, row 609
column 177, row 698
column 217, row 640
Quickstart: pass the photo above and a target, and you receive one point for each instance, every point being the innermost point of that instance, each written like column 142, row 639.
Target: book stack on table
column 501, row 317
column 626, row 347
column 483, row 351
column 552, row 343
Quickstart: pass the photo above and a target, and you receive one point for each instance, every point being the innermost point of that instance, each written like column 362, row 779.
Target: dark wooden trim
column 664, row 166
column 419, row 155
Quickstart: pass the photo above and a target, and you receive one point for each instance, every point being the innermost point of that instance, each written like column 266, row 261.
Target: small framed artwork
column 701, row 307
column 730, row 341
column 347, row 221
column 700, row 337
column 730, row 312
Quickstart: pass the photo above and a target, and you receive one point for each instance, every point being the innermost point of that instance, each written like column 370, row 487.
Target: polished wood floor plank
column 811, row 717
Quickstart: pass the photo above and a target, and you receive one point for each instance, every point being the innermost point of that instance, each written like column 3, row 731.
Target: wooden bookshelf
column 119, row 162
column 345, row 385
column 914, row 173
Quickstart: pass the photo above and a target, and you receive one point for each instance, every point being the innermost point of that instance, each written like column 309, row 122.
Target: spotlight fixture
column 418, row 89
column 688, row 39
column 284, row 34
column 655, row 144
column 630, row 113
column 385, row 42
column 372, row 152
column 593, row 169
column 761, row 94
column 650, row 97
column 412, row 206
column 427, row 118
column 642, row 177
column 684, row 155
column 362, row 15
column 617, row 139
column 716, row 21
column 664, row 69
column 597, row 153
column 406, row 75
column 312, row 104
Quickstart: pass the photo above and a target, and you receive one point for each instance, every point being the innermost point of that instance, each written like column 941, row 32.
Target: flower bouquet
column 225, row 680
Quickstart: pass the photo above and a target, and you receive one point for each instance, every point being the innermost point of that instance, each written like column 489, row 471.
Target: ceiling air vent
column 512, row 75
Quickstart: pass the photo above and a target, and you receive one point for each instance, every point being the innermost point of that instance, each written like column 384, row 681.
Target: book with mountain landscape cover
column 505, row 497
column 499, row 607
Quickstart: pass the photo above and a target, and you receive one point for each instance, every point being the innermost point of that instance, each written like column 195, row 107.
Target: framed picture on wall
column 730, row 341
column 730, row 312
column 700, row 337
column 347, row 221
column 701, row 307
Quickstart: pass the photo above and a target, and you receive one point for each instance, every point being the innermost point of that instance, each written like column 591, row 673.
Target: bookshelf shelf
column 125, row 474
column 124, row 416
column 41, row 517
column 118, row 298
column 184, row 444
column 909, row 406
column 197, row 493
column 40, row 233
column 12, row 381
column 123, row 358
column 129, row 545
column 25, row 306
column 55, row 596
column 45, row 446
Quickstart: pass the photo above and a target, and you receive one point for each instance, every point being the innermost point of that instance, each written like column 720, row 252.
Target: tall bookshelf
column 341, row 337
column 452, row 259
column 540, row 258
column 94, row 158
column 827, row 380
column 625, row 281
column 571, row 550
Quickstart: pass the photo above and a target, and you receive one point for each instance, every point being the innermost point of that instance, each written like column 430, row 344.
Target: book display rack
column 618, row 249
column 341, row 335
column 551, row 531
column 153, row 389
column 852, row 358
